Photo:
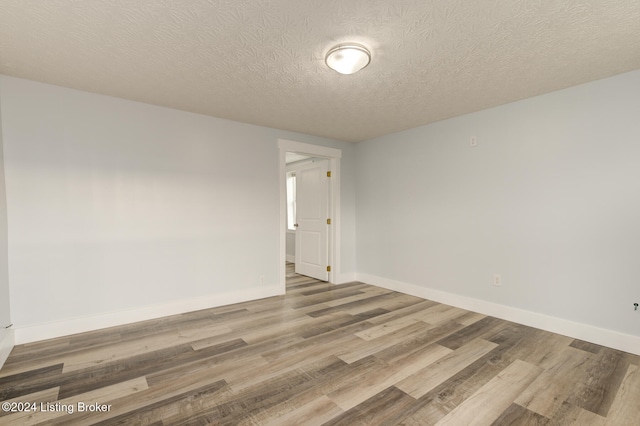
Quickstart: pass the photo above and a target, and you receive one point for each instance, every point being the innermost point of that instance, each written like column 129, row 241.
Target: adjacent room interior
column 483, row 166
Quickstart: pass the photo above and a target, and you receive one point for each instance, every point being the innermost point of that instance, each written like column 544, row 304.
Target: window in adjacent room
column 291, row 201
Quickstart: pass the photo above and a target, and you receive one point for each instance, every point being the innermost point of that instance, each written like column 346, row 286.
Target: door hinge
column 328, row 268
column 328, row 221
column 329, row 173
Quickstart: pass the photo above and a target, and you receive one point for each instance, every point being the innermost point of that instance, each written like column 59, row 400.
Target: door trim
column 333, row 155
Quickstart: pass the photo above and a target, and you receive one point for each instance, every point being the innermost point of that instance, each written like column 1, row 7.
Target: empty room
column 367, row 212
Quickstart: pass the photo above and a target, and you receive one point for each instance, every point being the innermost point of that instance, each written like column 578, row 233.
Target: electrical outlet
column 497, row 280
column 473, row 141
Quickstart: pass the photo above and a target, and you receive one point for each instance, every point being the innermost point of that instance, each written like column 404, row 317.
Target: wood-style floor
column 323, row 354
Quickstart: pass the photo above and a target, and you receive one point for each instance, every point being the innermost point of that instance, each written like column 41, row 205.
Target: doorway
column 332, row 156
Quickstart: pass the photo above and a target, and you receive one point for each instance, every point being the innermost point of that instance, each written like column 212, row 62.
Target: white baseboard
column 6, row 345
column 576, row 330
column 36, row 332
column 291, row 258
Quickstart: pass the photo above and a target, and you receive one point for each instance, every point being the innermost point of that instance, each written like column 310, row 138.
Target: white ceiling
column 262, row 61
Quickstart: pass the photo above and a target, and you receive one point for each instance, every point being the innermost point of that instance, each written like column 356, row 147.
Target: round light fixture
column 348, row 58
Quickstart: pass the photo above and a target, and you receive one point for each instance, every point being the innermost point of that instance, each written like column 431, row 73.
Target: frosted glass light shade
column 348, row 58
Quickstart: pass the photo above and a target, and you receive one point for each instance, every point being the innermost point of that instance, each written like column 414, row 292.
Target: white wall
column 119, row 210
column 549, row 198
column 291, row 246
column 6, row 336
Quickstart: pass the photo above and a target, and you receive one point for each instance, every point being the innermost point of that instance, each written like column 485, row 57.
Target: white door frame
column 333, row 155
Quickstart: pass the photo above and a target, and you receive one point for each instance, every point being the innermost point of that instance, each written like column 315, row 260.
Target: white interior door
column 312, row 212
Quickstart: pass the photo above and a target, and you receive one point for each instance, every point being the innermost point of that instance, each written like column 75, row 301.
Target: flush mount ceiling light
column 348, row 58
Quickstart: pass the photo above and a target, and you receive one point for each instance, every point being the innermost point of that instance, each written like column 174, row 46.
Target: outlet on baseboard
column 497, row 280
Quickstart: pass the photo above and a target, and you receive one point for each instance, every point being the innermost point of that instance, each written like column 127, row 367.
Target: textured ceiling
column 262, row 61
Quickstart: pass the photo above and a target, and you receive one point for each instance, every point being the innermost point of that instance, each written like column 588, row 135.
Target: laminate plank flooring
column 352, row 354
